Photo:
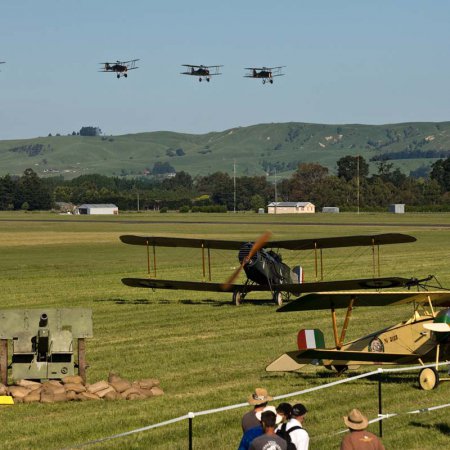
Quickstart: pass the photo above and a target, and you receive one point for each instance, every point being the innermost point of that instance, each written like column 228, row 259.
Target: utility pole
column 276, row 195
column 357, row 182
column 234, row 185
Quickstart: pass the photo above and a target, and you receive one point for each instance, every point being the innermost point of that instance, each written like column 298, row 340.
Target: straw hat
column 278, row 418
column 259, row 397
column 356, row 420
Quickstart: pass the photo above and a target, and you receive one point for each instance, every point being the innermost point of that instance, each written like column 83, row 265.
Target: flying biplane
column 121, row 68
column 264, row 267
column 266, row 73
column 425, row 337
column 201, row 72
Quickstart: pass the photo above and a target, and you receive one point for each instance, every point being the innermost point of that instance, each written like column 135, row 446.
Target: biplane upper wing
column 343, row 241
column 294, row 360
column 291, row 244
column 182, row 242
column 337, row 300
column 188, row 285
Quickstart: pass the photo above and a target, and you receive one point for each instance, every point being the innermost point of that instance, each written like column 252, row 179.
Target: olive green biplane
column 264, row 267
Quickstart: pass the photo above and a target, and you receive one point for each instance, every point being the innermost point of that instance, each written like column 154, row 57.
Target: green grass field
column 206, row 352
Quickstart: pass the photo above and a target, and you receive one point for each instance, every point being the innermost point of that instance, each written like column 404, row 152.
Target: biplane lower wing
column 188, row 285
column 336, row 300
column 296, row 289
column 295, row 360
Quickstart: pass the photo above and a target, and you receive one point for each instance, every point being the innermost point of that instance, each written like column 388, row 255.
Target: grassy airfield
column 206, row 352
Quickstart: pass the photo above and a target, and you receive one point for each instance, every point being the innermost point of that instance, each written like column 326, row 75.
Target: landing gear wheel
column 428, row 379
column 238, row 297
column 278, row 298
column 118, row 75
column 200, row 80
column 125, row 75
column 271, row 81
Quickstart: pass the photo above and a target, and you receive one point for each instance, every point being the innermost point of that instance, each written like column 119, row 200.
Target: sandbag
column 50, row 387
column 32, row 385
column 50, row 397
column 69, row 379
column 83, row 396
column 120, row 385
column 156, row 391
column 103, row 392
column 148, row 383
column 74, row 387
column 18, row 392
column 33, row 396
column 99, row 386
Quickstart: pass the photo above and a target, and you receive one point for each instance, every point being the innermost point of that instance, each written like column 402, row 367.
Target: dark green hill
column 257, row 149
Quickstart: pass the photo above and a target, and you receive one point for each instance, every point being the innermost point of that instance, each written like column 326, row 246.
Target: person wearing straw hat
column 259, row 400
column 359, row 438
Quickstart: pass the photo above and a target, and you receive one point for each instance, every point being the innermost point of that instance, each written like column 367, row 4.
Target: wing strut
column 340, row 342
column 148, row 259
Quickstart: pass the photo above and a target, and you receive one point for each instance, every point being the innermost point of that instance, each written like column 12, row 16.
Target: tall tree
column 348, row 167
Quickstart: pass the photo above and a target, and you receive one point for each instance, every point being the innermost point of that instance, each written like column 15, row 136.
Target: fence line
column 191, row 415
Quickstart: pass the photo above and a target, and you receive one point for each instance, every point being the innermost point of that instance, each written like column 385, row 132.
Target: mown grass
column 206, row 352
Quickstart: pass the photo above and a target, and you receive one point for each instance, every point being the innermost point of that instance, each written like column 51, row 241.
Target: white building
column 88, row 208
column 291, row 208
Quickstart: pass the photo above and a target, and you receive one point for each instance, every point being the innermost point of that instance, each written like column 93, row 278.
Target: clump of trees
column 217, row 192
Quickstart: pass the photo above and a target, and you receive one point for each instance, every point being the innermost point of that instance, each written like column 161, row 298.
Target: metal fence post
column 191, row 416
column 380, row 404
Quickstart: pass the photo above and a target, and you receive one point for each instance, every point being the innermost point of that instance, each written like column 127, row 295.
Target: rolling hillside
column 257, row 149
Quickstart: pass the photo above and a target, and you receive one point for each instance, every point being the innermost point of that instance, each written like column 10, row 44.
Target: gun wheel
column 428, row 379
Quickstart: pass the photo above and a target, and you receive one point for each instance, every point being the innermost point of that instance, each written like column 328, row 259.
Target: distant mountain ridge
column 257, row 150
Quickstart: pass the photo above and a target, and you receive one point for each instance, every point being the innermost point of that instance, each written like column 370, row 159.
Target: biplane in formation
column 201, row 72
column 265, row 73
column 423, row 338
column 121, row 68
column 264, row 267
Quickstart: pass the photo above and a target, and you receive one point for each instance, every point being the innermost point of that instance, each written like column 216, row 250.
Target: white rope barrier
column 391, row 415
column 191, row 415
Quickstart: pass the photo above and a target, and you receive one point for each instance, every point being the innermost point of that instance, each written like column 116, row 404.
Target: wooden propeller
column 258, row 244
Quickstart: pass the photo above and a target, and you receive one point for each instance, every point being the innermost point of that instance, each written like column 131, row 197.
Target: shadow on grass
column 256, row 302
column 443, row 428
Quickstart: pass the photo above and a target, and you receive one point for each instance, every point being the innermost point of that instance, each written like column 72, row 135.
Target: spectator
column 359, row 438
column 257, row 431
column 269, row 440
column 259, row 400
column 292, row 429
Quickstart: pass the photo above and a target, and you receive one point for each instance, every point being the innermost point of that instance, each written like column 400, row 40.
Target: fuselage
column 265, row 267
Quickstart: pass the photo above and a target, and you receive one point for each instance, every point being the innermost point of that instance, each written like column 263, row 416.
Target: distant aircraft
column 266, row 73
column 119, row 67
column 202, row 71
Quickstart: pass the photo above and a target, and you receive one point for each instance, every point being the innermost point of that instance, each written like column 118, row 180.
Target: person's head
column 299, row 411
column 259, row 398
column 268, row 420
column 356, row 420
column 285, row 411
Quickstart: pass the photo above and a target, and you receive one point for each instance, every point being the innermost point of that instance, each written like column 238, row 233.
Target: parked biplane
column 201, row 72
column 423, row 338
column 264, row 267
column 121, row 68
column 265, row 73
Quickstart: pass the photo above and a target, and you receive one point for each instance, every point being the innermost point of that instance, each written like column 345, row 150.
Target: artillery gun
column 43, row 343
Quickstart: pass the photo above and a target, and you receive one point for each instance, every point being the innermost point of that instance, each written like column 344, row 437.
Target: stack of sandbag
column 73, row 388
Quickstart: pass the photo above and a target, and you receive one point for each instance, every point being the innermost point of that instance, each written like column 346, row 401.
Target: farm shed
column 291, row 208
column 330, row 209
column 88, row 208
column 397, row 208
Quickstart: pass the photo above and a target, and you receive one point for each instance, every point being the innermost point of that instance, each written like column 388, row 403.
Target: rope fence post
column 380, row 403
column 191, row 416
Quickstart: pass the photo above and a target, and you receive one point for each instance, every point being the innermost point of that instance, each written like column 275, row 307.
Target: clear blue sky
column 354, row 61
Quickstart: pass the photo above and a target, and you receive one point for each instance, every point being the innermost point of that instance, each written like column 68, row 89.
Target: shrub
column 184, row 209
column 164, row 209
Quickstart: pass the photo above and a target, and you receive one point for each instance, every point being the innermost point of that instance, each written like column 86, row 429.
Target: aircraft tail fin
column 298, row 276
column 310, row 339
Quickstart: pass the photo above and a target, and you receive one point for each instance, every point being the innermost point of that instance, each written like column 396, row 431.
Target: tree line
column 310, row 182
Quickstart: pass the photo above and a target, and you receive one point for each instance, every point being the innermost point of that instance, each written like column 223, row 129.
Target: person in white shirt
column 292, row 429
